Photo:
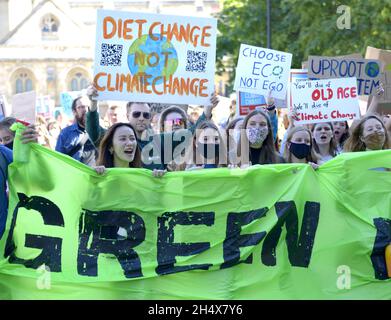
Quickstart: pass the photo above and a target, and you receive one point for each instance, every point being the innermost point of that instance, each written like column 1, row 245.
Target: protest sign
column 296, row 75
column 380, row 54
column 367, row 71
column 217, row 230
column 261, row 70
column 325, row 100
column 24, row 106
column 66, row 99
column 247, row 102
column 154, row 58
column 45, row 106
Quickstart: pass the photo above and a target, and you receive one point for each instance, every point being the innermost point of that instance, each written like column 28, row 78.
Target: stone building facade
column 48, row 45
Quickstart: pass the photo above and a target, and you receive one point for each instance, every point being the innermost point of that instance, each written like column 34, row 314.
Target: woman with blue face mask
column 256, row 145
column 299, row 147
column 208, row 150
column 6, row 134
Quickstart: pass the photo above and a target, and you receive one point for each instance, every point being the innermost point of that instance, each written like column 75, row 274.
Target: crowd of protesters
column 176, row 140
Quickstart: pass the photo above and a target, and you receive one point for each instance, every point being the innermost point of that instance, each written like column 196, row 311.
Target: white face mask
column 256, row 136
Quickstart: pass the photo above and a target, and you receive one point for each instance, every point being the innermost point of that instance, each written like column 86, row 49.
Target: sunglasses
column 177, row 122
column 137, row 114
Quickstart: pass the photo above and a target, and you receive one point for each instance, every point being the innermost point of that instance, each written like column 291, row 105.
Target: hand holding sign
column 261, row 70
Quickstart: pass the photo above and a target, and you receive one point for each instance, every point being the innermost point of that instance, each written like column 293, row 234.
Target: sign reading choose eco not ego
column 154, row 58
column 261, row 71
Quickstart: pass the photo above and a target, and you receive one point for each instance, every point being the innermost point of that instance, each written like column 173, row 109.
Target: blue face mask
column 10, row 145
column 208, row 150
column 300, row 150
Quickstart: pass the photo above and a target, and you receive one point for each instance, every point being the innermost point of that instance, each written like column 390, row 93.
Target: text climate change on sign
column 325, row 100
column 261, row 71
column 154, row 58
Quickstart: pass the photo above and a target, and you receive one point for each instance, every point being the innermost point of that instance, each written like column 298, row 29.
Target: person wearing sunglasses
column 172, row 119
column 157, row 150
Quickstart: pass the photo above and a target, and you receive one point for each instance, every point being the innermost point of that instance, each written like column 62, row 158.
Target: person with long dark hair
column 341, row 134
column 258, row 140
column 119, row 149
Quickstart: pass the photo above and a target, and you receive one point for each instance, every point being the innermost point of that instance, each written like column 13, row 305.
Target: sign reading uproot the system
column 154, row 58
column 325, row 100
column 262, row 70
column 366, row 71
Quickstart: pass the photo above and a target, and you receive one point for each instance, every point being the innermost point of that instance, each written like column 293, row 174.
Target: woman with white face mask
column 256, row 145
column 324, row 143
column 368, row 134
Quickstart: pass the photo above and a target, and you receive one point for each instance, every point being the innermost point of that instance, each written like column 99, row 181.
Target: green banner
column 268, row 232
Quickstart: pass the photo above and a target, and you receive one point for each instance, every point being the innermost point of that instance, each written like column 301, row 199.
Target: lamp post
column 268, row 27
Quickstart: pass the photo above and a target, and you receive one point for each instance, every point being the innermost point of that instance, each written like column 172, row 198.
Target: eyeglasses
column 177, row 122
column 137, row 114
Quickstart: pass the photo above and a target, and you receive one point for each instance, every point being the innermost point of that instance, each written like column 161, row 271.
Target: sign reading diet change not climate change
column 261, row 70
column 325, row 100
column 154, row 58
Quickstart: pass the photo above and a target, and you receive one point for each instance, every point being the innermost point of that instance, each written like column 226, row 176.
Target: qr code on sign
column 196, row 61
column 111, row 55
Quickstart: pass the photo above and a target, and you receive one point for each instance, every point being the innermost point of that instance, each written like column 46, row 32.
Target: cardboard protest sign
column 260, row 70
column 23, row 106
column 325, row 100
column 66, row 99
column 367, row 71
column 154, row 58
column 380, row 54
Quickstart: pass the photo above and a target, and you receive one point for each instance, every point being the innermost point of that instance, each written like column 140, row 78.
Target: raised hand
column 91, row 93
column 30, row 134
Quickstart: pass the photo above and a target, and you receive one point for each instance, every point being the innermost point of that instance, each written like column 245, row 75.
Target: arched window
column 78, row 81
column 23, row 82
column 49, row 26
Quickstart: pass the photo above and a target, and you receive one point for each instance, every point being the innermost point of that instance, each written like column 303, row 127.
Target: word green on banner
column 268, row 232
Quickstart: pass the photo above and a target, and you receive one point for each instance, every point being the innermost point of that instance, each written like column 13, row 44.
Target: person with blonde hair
column 323, row 142
column 299, row 147
column 368, row 134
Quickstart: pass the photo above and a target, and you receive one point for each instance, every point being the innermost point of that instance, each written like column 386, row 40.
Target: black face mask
column 300, row 150
column 208, row 150
column 10, row 145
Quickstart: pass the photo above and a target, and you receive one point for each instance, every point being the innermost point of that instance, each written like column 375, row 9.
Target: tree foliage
column 302, row 27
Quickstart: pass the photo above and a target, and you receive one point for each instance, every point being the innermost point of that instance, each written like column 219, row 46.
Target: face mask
column 10, row 145
column 208, row 150
column 256, row 135
column 300, row 150
column 374, row 139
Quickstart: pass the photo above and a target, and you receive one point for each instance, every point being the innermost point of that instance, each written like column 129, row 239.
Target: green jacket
column 159, row 156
